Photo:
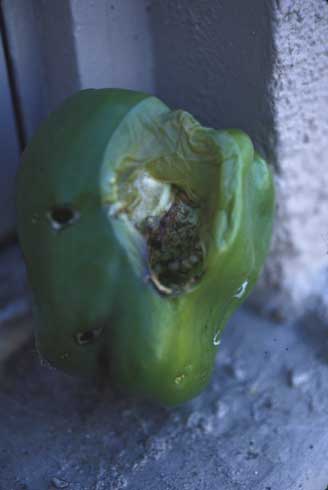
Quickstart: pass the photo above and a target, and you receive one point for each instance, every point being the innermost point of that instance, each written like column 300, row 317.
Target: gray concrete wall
column 260, row 66
column 297, row 273
column 215, row 59
column 40, row 35
column 60, row 47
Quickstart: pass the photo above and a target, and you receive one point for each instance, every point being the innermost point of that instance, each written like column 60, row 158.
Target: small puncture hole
column 61, row 216
column 89, row 336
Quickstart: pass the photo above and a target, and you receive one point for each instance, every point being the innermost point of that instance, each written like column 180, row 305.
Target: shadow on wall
column 215, row 60
column 41, row 42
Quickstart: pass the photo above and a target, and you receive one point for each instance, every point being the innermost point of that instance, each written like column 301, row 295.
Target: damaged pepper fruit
column 142, row 232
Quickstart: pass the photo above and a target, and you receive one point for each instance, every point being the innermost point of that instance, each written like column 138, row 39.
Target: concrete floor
column 262, row 424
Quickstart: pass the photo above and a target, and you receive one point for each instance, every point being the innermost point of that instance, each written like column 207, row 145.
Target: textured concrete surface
column 297, row 273
column 260, row 425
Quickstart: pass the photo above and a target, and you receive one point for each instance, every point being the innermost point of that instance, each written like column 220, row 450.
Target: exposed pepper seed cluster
column 175, row 252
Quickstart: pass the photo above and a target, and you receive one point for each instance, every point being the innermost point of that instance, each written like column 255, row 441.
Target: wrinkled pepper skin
column 83, row 207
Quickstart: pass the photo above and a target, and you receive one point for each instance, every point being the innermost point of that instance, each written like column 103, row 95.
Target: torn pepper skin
column 142, row 232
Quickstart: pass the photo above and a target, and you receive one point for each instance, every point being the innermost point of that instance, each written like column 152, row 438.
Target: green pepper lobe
column 142, row 232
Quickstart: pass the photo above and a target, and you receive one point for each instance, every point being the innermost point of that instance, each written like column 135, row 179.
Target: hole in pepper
column 61, row 216
column 88, row 336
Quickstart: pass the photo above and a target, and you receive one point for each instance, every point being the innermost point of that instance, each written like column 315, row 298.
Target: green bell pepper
column 142, row 232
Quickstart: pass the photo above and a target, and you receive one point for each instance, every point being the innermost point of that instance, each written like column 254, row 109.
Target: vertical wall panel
column 43, row 55
column 215, row 59
column 9, row 146
column 60, row 47
column 113, row 43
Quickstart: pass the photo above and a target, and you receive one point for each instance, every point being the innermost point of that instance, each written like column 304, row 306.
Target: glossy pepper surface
column 142, row 232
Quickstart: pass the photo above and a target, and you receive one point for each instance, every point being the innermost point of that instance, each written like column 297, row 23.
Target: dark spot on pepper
column 88, row 336
column 61, row 216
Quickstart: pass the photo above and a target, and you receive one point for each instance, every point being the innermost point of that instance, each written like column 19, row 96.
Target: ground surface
column 261, row 425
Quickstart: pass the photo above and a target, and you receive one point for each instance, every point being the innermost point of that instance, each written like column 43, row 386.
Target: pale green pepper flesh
column 96, row 172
